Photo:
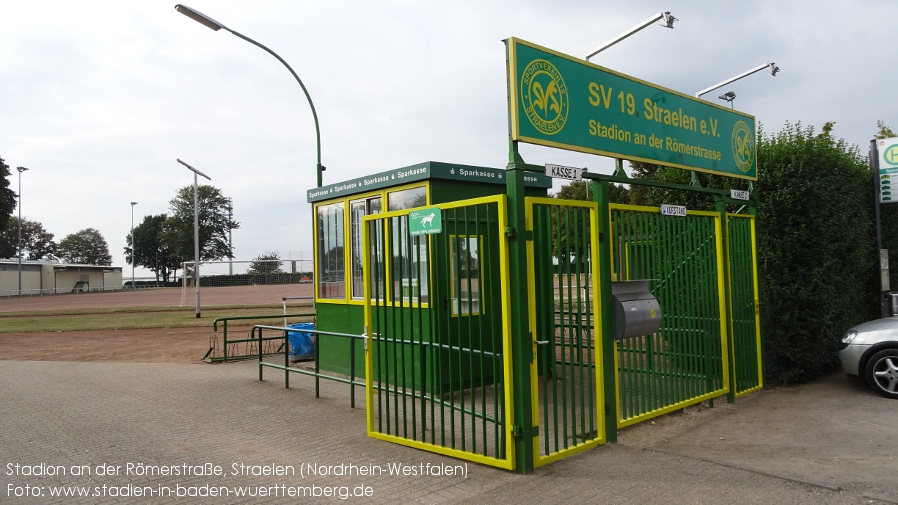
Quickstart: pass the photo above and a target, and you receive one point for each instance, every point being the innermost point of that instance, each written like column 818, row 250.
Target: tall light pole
column 196, row 234
column 773, row 70
column 668, row 23
column 20, row 169
column 230, row 242
column 132, row 245
column 205, row 20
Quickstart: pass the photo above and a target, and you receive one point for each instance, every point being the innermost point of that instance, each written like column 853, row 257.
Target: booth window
column 465, row 277
column 408, row 267
column 331, row 271
column 359, row 209
column 407, row 198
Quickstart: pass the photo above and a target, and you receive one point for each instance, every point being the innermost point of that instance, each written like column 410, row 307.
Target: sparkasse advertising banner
column 557, row 100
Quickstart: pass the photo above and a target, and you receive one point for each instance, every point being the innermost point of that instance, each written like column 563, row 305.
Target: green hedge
column 817, row 254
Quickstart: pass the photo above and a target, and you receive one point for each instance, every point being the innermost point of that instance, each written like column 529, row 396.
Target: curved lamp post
column 205, row 20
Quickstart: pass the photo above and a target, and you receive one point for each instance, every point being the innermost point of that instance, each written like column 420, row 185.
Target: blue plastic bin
column 302, row 344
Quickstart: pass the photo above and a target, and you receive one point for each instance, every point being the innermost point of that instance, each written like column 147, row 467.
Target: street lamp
column 20, row 169
column 205, row 20
column 196, row 234
column 230, row 237
column 729, row 96
column 773, row 70
column 132, row 245
column 668, row 23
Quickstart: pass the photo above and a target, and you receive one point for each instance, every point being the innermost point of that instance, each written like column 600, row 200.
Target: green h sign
column 560, row 101
column 425, row 221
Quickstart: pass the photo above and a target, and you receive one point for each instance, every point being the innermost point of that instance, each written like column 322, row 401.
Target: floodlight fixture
column 773, row 71
column 668, row 23
column 729, row 96
column 199, row 17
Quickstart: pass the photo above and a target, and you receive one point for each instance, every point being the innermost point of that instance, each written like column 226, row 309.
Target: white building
column 46, row 277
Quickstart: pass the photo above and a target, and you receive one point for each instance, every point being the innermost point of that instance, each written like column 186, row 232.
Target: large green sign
column 560, row 101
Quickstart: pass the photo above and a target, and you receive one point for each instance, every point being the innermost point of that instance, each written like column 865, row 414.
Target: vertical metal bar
column 225, row 340
column 488, row 297
column 610, row 373
column 286, row 361
column 481, row 331
column 259, row 349
column 402, row 312
column 470, row 330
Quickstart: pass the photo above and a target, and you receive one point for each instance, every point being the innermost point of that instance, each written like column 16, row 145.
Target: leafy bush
column 816, row 249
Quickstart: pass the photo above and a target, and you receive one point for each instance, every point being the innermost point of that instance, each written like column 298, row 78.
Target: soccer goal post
column 248, row 282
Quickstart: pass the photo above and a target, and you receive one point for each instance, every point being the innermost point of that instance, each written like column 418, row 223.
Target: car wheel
column 882, row 373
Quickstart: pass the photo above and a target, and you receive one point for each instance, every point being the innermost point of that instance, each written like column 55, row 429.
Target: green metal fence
column 745, row 325
column 566, row 380
column 436, row 358
column 685, row 362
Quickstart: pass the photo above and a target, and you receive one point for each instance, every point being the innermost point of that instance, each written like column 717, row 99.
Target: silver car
column 871, row 350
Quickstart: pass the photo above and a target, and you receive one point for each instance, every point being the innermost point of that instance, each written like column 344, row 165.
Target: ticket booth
column 338, row 210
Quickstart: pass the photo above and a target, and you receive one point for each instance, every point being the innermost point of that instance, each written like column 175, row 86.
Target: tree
column 150, row 251
column 85, row 247
column 576, row 190
column 7, row 205
column 37, row 243
column 214, row 224
column 266, row 264
column 565, row 246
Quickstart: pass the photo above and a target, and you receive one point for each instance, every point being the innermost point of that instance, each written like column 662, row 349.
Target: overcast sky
column 99, row 98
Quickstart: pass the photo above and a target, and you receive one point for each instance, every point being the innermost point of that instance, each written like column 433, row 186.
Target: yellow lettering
column 594, row 96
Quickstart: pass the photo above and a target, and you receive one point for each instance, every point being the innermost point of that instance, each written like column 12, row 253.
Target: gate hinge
column 510, row 232
column 517, row 430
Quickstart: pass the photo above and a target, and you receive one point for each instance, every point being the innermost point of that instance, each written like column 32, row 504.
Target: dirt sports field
column 148, row 345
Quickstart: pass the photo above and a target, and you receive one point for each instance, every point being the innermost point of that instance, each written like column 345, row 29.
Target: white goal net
column 248, row 282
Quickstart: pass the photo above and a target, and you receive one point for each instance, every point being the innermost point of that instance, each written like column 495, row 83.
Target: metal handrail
column 317, row 373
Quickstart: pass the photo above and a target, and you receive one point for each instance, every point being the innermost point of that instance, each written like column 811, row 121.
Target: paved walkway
column 132, row 429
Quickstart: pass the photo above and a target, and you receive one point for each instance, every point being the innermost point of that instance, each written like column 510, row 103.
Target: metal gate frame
column 411, row 432
column 573, row 345
column 663, row 386
column 745, row 319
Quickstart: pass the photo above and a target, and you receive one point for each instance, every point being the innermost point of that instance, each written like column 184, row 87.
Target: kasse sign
column 563, row 172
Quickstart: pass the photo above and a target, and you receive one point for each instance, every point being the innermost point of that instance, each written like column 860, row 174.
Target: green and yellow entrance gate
column 438, row 348
column 566, row 385
column 685, row 362
column 438, row 315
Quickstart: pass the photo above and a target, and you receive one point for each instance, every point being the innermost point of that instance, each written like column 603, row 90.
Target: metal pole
column 196, row 233
column 196, row 243
column 669, row 20
column 773, row 70
column 132, row 245
column 20, row 169
column 230, row 238
column 874, row 168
